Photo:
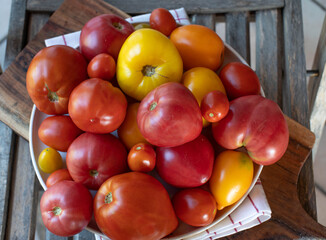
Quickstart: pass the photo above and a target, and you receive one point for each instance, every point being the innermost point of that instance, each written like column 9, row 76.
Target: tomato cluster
column 157, row 87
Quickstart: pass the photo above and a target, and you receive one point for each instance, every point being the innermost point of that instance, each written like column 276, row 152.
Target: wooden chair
column 280, row 65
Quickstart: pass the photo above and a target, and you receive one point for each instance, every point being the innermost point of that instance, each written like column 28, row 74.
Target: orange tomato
column 231, row 178
column 199, row 46
column 141, row 158
column 129, row 132
column 201, row 81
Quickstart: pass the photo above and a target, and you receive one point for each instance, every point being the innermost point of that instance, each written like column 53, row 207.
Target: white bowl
column 183, row 230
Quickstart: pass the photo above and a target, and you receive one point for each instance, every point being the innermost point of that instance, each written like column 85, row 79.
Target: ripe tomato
column 93, row 158
column 214, row 106
column 231, row 178
column 66, row 208
column 101, row 66
column 198, row 46
column 58, row 132
column 142, row 158
column 51, row 76
column 134, row 205
column 146, row 60
column 57, row 176
column 239, row 80
column 97, row 106
column 187, row 165
column 50, row 160
column 195, row 206
column 129, row 132
column 201, row 81
column 169, row 116
column 162, row 20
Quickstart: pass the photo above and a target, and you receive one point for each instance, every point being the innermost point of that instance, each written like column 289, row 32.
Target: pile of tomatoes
column 180, row 125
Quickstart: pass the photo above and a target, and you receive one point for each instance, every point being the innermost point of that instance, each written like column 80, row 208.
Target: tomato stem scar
column 138, row 148
column 57, row 211
column 148, row 70
column 152, row 106
column 93, row 173
column 211, row 114
column 117, row 25
column 108, row 198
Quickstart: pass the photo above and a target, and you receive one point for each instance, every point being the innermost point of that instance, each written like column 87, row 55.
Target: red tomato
column 93, row 158
column 239, row 80
column 162, row 20
column 214, row 106
column 58, row 132
column 195, row 206
column 57, row 176
column 142, row 158
column 66, row 208
column 51, row 76
column 134, row 205
column 169, row 116
column 101, row 66
column 256, row 123
column 97, row 106
column 187, row 165
column 104, row 34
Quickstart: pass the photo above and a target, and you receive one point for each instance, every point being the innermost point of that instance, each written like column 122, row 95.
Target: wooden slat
column 295, row 99
column 16, row 31
column 23, row 195
column 269, row 53
column 207, row 20
column 237, row 33
column 6, row 153
column 36, row 22
column 192, row 6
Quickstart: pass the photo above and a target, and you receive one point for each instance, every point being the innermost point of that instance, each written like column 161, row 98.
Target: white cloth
column 253, row 211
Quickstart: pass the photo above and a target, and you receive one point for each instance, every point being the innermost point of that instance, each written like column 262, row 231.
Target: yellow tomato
column 50, row 160
column 129, row 132
column 146, row 60
column 231, row 178
column 200, row 81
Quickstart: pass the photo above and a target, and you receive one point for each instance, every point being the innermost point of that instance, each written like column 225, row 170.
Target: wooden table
column 280, row 65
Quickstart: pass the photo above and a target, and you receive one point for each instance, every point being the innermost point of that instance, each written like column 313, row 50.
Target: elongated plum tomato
column 169, row 116
column 66, row 208
column 134, row 205
column 231, row 178
column 52, row 75
column 214, row 106
column 50, row 160
column 97, row 106
column 162, row 20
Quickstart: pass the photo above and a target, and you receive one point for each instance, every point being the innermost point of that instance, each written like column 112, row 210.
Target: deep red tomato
column 58, row 132
column 239, row 80
column 195, row 206
column 51, row 76
column 97, row 106
column 214, row 106
column 93, row 158
column 66, row 208
column 142, row 158
column 57, row 176
column 134, row 205
column 257, row 124
column 187, row 165
column 104, row 34
column 102, row 66
column 162, row 20
column 169, row 116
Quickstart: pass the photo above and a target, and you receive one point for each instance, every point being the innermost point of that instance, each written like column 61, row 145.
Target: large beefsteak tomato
column 134, row 206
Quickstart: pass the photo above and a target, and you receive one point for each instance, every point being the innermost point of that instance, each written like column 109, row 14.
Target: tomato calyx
column 93, row 173
column 118, row 25
column 148, row 70
column 52, row 96
column 57, row 211
column 108, row 198
column 152, row 106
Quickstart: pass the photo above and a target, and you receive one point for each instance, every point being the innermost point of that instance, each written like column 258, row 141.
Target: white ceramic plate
column 183, row 230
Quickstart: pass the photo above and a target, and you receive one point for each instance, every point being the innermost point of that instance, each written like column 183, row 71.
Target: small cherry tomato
column 50, row 160
column 57, row 176
column 142, row 158
column 102, row 66
column 214, row 106
column 162, row 20
column 195, row 206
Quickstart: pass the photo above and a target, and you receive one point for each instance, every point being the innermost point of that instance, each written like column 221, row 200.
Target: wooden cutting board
column 289, row 220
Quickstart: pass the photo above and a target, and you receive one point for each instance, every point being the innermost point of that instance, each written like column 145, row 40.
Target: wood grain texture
column 237, row 33
column 269, row 62
column 207, row 20
column 192, row 6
